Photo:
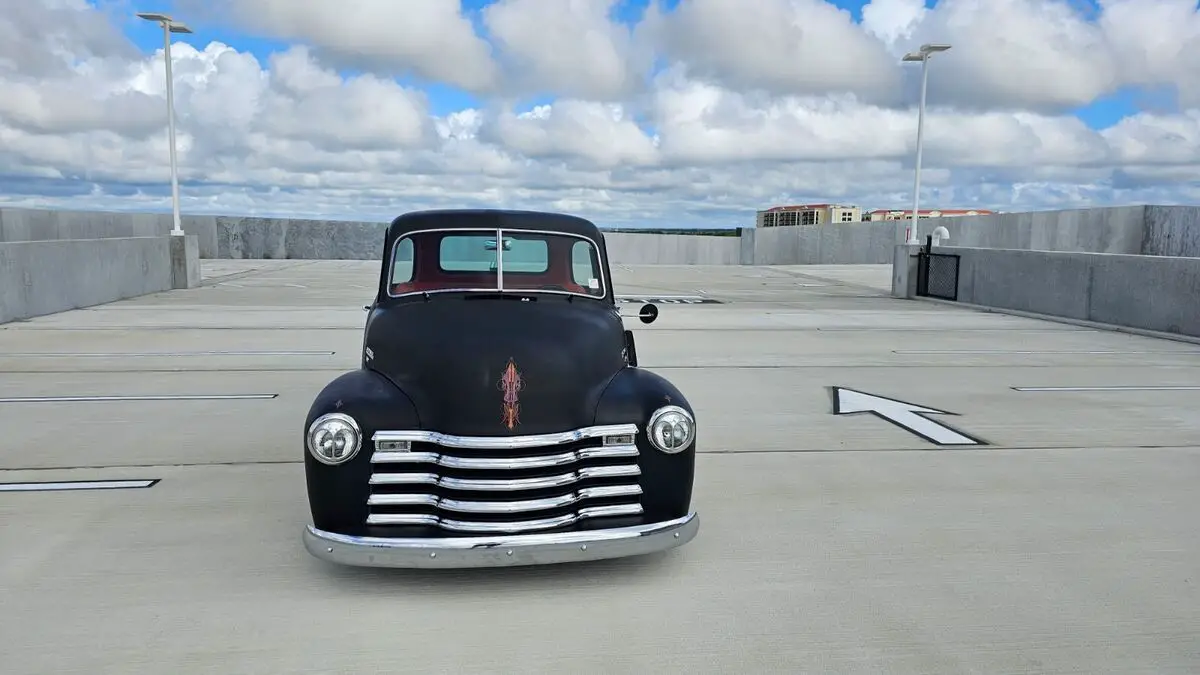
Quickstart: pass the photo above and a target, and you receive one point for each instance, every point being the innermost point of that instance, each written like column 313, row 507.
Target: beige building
column 906, row 214
column 807, row 214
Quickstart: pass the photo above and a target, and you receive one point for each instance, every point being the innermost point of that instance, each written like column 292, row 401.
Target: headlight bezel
column 662, row 413
column 350, row 423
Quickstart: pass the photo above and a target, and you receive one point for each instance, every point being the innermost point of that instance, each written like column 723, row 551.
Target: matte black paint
column 337, row 495
column 632, row 396
column 450, row 352
column 436, row 365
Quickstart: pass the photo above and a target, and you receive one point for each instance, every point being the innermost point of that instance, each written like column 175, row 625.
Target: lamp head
column 926, row 49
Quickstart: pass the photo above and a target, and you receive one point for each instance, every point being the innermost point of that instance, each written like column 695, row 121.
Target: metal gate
column 937, row 275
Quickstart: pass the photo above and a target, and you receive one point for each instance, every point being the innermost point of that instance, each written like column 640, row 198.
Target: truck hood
column 498, row 366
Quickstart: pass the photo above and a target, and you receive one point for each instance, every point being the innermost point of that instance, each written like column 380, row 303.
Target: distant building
column 906, row 214
column 807, row 214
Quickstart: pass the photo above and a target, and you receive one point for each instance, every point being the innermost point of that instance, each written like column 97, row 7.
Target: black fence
column 937, row 274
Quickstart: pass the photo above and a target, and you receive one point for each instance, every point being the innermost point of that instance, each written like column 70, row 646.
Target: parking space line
column 669, row 299
column 150, row 397
column 1114, row 388
column 1045, row 351
column 166, row 354
column 48, row 486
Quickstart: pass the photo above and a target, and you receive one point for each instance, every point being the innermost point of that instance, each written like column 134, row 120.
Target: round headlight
column 334, row 438
column 671, row 429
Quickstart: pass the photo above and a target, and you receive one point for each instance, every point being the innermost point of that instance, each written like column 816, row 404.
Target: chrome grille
column 490, row 484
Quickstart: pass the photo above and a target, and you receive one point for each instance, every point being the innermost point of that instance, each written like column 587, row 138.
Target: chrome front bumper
column 503, row 550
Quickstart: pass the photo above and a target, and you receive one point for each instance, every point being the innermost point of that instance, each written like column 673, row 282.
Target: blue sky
column 1099, row 115
column 713, row 173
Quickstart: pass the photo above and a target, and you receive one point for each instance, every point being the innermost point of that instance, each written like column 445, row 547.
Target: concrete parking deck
column 829, row 543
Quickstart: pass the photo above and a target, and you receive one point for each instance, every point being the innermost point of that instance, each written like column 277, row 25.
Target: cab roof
column 449, row 219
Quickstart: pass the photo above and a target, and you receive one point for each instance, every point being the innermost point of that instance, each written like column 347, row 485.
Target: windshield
column 490, row 260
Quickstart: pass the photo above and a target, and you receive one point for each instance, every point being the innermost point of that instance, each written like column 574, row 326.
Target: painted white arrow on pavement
column 904, row 415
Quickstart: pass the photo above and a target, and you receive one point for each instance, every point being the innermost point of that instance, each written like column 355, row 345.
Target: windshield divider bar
column 500, row 259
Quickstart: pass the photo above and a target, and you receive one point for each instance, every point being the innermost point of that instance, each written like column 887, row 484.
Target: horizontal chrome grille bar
column 506, row 509
column 537, row 461
column 521, row 506
column 515, row 526
column 507, row 484
column 505, row 442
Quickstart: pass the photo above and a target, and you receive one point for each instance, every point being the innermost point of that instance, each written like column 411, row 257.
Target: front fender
column 337, row 495
column 632, row 396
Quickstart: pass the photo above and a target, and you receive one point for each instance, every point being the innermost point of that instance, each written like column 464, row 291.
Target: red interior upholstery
column 428, row 276
column 525, row 282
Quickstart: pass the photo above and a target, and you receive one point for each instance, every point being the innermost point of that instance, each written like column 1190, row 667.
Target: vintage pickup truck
column 499, row 416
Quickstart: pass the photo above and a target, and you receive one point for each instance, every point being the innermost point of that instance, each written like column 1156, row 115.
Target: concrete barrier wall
column 1110, row 230
column 1153, row 230
column 843, row 243
column 1103, row 230
column 627, row 248
column 49, row 225
column 1159, row 293
column 282, row 239
column 344, row 240
column 1172, row 231
column 44, row 277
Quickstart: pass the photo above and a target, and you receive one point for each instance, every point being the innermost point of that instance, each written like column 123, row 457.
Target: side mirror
column 648, row 313
column 366, row 308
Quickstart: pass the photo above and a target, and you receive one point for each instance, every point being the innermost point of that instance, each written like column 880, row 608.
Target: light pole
column 921, row 55
column 169, row 26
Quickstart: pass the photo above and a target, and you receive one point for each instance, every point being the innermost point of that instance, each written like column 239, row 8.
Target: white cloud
column 53, row 107
column 782, row 46
column 359, row 113
column 430, row 38
column 892, row 20
column 571, row 47
column 1157, row 140
column 1019, row 54
column 1156, row 42
column 598, row 134
column 707, row 124
column 1057, row 55
column 754, row 103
